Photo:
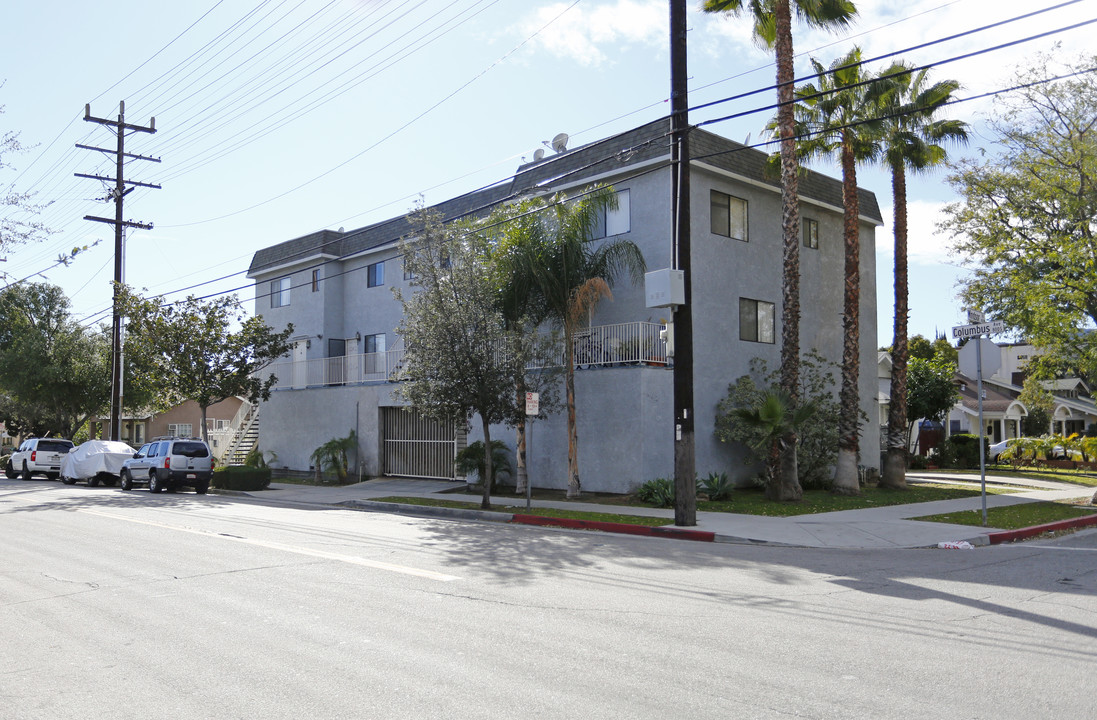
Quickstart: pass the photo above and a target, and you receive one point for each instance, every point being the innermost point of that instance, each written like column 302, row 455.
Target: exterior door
column 414, row 446
column 300, row 366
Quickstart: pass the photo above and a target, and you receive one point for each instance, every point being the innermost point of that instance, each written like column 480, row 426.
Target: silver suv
column 38, row 456
column 170, row 463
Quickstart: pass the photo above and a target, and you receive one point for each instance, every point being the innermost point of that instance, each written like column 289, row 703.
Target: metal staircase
column 245, row 438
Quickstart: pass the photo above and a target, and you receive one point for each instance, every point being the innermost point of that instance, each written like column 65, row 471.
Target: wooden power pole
column 122, row 187
column 685, row 461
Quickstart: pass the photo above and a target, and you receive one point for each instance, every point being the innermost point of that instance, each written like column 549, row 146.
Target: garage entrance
column 414, row 446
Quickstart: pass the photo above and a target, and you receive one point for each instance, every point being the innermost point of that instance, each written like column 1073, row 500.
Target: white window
column 811, row 234
column 181, row 430
column 375, row 343
column 614, row 222
column 375, row 275
column 279, row 292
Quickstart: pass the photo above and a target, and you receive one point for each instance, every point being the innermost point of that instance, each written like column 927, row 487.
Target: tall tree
column 1025, row 221
column 192, row 352
column 910, row 137
column 572, row 272
column 831, row 120
column 772, row 21
column 460, row 359
column 54, row 373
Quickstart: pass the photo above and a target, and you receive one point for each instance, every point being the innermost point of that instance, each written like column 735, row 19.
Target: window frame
column 367, row 339
column 316, row 279
column 280, row 291
column 723, row 201
column 764, row 318
column 375, row 274
column 621, row 217
column 810, row 232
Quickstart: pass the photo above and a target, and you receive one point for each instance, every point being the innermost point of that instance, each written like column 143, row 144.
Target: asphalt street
column 133, row 605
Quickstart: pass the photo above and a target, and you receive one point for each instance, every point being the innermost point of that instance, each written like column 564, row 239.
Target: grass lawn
column 1014, row 516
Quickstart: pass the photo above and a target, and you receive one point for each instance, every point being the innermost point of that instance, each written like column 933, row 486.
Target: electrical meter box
column 665, row 288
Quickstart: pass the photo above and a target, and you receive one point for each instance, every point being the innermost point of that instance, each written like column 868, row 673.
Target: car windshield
column 54, row 445
column 191, row 449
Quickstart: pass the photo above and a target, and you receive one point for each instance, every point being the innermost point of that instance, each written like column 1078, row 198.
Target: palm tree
column 773, row 29
column 773, row 417
column 910, row 138
column 572, row 272
column 831, row 120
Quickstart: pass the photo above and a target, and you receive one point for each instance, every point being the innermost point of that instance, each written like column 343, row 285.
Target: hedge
column 241, row 477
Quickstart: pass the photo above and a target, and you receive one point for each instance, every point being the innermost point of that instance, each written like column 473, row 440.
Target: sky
column 278, row 118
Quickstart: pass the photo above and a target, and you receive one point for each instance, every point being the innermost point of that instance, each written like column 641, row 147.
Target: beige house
column 223, row 420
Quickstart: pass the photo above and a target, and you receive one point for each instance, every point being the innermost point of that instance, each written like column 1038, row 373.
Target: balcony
column 635, row 343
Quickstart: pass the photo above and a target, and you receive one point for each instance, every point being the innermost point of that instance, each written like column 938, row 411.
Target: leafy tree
column 573, row 272
column 1025, row 222
column 1040, row 404
column 931, row 392
column 772, row 20
column 189, row 351
column 54, row 373
column 834, row 118
column 910, row 137
column 460, row 359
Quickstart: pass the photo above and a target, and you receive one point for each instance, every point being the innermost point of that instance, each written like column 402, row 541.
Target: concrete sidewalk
column 883, row 527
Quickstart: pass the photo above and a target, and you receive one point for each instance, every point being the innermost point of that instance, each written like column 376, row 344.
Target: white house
column 335, row 287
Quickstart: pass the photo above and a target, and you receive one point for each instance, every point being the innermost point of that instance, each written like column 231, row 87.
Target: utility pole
column 685, row 461
column 122, row 187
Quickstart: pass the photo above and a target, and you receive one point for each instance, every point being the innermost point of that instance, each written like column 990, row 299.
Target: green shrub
column 960, row 451
column 658, row 492
column 241, row 477
column 918, row 462
column 717, row 486
column 471, row 460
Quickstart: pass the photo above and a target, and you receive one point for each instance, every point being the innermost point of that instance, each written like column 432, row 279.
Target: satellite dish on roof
column 747, row 140
column 560, row 142
column 538, row 154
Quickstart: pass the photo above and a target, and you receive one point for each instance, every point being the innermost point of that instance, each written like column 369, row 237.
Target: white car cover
column 94, row 457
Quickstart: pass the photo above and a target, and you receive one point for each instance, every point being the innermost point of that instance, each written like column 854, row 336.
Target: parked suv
column 171, row 463
column 38, row 456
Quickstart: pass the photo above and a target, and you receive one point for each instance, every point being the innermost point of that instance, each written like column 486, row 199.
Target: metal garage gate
column 417, row 447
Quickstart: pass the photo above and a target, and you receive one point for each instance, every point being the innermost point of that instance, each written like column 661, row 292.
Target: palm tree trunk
column 895, row 464
column 573, row 435
column 846, row 481
column 789, row 483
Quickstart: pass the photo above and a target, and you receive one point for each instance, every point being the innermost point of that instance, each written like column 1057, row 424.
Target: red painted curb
column 625, row 528
column 1020, row 534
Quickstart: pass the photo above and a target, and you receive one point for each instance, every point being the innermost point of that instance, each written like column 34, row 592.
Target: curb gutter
column 997, row 538
column 623, row 528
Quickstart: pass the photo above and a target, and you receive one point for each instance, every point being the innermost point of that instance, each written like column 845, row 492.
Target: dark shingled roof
column 611, row 155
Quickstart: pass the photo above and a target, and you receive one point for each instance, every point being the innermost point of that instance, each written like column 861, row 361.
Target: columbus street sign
column 962, row 332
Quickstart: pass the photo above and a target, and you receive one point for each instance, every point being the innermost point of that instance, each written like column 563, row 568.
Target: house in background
column 336, row 290
column 226, row 426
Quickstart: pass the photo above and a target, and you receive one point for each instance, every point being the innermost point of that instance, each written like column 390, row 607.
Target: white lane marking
column 403, row 569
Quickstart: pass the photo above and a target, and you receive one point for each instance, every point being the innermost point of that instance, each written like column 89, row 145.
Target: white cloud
column 590, row 34
column 925, row 245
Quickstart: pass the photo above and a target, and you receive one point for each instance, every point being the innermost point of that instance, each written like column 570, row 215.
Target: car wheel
column 109, row 482
column 93, row 482
column 201, row 487
column 68, row 480
column 127, row 481
column 10, row 471
column 26, row 471
column 154, row 484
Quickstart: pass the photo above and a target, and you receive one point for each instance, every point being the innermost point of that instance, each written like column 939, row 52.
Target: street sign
column 962, row 332
column 976, row 316
column 533, row 402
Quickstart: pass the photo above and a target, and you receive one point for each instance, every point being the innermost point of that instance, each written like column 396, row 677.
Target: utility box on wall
column 665, row 288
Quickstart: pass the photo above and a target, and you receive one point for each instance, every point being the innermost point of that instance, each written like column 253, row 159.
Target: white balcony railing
column 635, row 343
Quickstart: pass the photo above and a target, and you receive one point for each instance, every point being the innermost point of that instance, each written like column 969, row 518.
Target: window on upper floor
column 315, row 280
column 756, row 320
column 728, row 215
column 810, row 230
column 614, row 222
column 279, row 292
column 375, row 274
column 374, row 343
column 408, row 274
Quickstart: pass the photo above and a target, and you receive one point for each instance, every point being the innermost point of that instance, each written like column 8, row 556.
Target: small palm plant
column 332, row 456
column 771, row 419
column 471, row 459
